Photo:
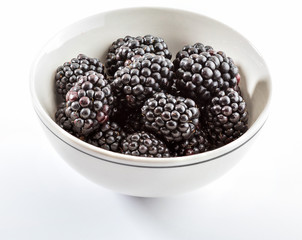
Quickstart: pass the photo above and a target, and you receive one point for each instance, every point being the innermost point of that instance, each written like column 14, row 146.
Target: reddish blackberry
column 125, row 48
column 89, row 102
column 173, row 118
column 226, row 117
column 144, row 144
column 197, row 144
column 68, row 74
column 139, row 80
column 201, row 75
column 108, row 137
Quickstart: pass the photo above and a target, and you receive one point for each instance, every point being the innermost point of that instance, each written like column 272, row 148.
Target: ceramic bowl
column 149, row 177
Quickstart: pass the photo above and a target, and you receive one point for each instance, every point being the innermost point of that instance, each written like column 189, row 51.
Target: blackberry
column 125, row 48
column 226, row 117
column 144, row 144
column 199, row 143
column 89, row 102
column 139, row 80
column 201, row 75
column 61, row 119
column 68, row 74
column 188, row 50
column 108, row 137
column 173, row 118
column 64, row 122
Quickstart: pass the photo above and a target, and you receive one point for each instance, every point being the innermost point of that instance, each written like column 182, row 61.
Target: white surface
column 43, row 198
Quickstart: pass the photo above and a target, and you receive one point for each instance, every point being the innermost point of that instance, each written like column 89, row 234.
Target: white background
column 41, row 197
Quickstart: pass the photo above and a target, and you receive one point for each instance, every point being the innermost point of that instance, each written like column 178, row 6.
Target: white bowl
column 148, row 177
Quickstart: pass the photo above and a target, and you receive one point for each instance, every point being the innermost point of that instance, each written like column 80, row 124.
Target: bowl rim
column 135, row 161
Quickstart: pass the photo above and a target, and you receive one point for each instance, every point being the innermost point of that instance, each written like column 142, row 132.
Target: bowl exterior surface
column 144, row 181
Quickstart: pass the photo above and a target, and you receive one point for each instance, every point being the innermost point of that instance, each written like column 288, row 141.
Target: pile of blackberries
column 143, row 104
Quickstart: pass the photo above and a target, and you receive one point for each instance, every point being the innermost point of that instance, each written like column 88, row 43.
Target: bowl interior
column 93, row 36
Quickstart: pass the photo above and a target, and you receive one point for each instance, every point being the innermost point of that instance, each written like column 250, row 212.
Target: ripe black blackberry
column 89, row 102
column 64, row 122
column 226, row 117
column 201, row 75
column 145, row 75
column 144, row 144
column 125, row 48
column 61, row 119
column 188, row 50
column 173, row 118
column 199, row 143
column 68, row 74
column 108, row 137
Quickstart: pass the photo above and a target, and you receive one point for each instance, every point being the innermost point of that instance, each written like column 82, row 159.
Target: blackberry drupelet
column 125, row 48
column 145, row 75
column 201, row 75
column 68, row 74
column 199, row 143
column 173, row 118
column 226, row 117
column 108, row 137
column 144, row 144
column 89, row 102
